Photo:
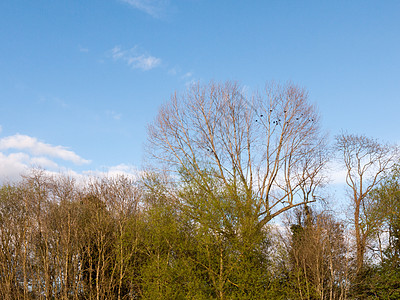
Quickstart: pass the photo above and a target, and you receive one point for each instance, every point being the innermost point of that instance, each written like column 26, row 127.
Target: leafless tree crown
column 266, row 146
column 366, row 162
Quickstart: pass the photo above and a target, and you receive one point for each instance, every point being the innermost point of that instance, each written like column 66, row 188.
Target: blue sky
column 81, row 80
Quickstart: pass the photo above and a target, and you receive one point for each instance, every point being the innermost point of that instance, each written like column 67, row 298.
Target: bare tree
column 317, row 252
column 122, row 198
column 366, row 162
column 264, row 148
column 13, row 238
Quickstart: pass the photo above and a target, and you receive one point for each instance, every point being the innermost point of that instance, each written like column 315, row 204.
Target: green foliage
column 382, row 281
column 193, row 241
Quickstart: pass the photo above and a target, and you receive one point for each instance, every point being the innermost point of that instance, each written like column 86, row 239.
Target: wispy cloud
column 114, row 115
column 53, row 101
column 187, row 75
column 126, row 170
column 190, row 82
column 155, row 8
column 135, row 58
column 19, row 154
column 83, row 49
column 37, row 148
column 337, row 173
column 13, row 165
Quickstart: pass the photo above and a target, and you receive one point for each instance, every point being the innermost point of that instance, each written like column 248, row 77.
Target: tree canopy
column 266, row 146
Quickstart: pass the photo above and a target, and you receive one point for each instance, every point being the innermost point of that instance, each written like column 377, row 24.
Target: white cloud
column 83, row 49
column 129, row 171
column 336, row 173
column 117, row 53
column 145, row 62
column 13, row 165
column 187, row 75
column 37, row 148
column 155, row 8
column 135, row 58
column 114, row 115
column 19, row 154
column 190, row 83
column 43, row 162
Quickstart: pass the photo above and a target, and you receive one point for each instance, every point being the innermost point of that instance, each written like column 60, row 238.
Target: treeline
column 230, row 207
column 114, row 238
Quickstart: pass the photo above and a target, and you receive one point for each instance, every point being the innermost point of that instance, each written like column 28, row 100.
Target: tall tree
column 384, row 279
column 317, row 252
column 14, row 236
column 366, row 162
column 267, row 147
